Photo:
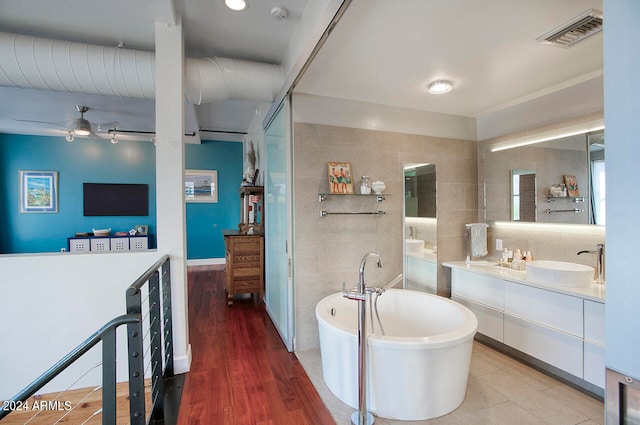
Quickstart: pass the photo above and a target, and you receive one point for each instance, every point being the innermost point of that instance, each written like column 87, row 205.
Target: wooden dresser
column 244, row 264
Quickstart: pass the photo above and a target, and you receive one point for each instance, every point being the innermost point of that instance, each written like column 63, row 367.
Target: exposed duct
column 47, row 64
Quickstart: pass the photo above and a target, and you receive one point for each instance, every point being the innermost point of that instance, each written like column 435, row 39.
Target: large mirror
column 420, row 206
column 557, row 181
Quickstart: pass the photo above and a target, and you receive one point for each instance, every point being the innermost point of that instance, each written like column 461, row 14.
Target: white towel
column 478, row 239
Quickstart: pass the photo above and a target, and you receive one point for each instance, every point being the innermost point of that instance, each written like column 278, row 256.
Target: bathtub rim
column 458, row 335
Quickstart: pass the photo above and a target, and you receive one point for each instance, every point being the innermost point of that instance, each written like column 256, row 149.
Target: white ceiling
column 382, row 51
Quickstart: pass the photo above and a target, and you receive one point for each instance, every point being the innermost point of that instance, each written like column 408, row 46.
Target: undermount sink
column 560, row 273
column 415, row 247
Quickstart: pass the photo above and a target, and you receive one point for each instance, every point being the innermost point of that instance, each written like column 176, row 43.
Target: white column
column 170, row 177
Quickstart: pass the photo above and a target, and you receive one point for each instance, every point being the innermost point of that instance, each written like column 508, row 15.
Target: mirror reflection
column 523, row 195
column 597, row 174
column 557, row 181
column 420, row 227
column 420, row 190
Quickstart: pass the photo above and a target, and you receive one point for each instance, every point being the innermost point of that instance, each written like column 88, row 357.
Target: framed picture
column 201, row 185
column 38, row 191
column 572, row 186
column 340, row 180
column 141, row 229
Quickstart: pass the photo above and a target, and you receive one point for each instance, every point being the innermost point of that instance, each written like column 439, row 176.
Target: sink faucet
column 411, row 234
column 599, row 251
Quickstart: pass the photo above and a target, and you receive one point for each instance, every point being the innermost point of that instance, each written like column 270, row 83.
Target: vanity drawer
column 547, row 308
column 594, row 322
column 594, row 369
column 490, row 321
column 553, row 347
column 422, row 271
column 478, row 288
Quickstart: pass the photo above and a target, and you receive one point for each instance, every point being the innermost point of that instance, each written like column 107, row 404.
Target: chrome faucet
column 411, row 234
column 363, row 263
column 599, row 251
column 359, row 293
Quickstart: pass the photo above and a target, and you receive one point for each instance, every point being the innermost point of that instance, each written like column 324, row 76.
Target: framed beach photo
column 38, row 191
column 340, row 179
column 201, row 186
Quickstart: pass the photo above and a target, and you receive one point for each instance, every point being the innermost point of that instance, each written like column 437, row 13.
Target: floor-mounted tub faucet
column 362, row 416
column 599, row 261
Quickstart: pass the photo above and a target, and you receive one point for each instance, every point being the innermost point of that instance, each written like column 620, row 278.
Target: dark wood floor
column 241, row 372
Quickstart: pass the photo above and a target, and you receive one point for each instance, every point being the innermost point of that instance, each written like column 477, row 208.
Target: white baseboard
column 182, row 363
column 205, row 262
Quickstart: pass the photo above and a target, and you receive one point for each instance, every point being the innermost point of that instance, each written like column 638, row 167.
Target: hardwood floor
column 241, row 372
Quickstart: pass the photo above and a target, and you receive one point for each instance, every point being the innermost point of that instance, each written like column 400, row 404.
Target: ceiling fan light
column 69, row 137
column 81, row 127
column 114, row 140
column 236, row 4
column 440, row 86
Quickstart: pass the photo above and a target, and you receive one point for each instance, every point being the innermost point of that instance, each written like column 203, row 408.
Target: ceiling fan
column 79, row 126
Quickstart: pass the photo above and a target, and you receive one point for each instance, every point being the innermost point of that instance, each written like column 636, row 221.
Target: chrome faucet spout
column 599, row 251
column 363, row 263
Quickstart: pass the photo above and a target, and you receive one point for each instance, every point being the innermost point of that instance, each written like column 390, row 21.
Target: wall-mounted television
column 115, row 199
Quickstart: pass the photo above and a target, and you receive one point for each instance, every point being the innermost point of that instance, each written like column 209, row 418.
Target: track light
column 69, row 137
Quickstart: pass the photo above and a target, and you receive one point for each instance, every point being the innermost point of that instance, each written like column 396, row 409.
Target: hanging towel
column 478, row 239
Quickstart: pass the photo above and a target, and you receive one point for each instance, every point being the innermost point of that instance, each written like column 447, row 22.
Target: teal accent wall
column 205, row 221
column 84, row 160
column 87, row 160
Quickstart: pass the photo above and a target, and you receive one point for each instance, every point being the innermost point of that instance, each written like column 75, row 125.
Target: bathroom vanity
column 421, row 270
column 557, row 328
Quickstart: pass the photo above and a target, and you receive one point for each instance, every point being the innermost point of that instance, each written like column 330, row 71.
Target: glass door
column 278, row 278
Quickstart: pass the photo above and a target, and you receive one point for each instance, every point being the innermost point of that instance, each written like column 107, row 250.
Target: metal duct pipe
column 47, row 64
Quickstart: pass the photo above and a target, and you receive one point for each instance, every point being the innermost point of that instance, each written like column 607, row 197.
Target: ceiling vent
column 576, row 30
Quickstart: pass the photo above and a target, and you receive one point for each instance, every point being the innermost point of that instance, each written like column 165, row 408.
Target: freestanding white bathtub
column 417, row 371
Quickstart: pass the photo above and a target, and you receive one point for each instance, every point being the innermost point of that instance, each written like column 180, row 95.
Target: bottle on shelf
column 365, row 185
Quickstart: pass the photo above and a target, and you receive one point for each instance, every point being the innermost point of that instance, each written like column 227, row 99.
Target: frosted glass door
column 279, row 287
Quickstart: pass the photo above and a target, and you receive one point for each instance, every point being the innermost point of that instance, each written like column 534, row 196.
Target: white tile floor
column 500, row 391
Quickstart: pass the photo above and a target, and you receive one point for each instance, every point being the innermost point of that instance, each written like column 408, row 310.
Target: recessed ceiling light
column 236, row 4
column 440, row 86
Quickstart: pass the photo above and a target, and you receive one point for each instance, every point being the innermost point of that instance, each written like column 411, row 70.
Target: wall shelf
column 574, row 199
column 379, row 197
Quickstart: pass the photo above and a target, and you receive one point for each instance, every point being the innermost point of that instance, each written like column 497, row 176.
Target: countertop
column 595, row 292
column 236, row 232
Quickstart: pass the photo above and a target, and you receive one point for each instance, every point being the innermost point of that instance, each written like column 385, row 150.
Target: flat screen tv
column 115, row 199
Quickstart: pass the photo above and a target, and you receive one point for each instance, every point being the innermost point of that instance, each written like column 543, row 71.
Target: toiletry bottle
column 517, row 255
column 529, row 256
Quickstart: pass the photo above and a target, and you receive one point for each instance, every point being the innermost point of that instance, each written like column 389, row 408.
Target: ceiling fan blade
column 62, row 125
column 94, row 136
column 105, row 126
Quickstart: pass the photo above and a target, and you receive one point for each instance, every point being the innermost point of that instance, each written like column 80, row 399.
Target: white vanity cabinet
column 484, row 296
column 560, row 328
column 422, row 272
column 594, row 370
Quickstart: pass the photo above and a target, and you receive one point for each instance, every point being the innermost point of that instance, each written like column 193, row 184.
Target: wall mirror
column 524, row 183
column 420, row 222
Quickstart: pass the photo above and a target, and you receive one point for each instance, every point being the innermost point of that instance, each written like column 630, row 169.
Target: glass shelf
column 325, row 196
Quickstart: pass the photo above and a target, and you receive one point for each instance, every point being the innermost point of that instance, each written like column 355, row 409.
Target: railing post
column 167, row 317
column 136, row 361
column 109, row 377
column 155, row 330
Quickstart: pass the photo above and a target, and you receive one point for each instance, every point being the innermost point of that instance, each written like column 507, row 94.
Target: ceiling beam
column 165, row 11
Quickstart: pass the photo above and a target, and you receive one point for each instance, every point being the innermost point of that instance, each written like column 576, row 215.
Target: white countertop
column 594, row 293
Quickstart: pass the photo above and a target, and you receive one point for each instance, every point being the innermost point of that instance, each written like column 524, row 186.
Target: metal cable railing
column 150, row 347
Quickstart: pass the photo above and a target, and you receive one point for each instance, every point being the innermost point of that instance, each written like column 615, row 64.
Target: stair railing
column 152, row 314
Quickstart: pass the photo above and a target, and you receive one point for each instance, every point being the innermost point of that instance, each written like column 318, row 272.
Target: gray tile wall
column 328, row 250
